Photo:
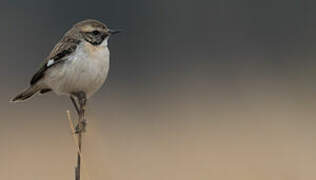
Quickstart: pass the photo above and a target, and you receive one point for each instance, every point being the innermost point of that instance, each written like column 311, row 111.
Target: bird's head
column 92, row 31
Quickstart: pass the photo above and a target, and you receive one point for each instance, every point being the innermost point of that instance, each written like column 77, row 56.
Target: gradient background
column 197, row 90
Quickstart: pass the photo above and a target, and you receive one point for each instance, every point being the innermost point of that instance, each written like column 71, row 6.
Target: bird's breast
column 85, row 70
column 93, row 60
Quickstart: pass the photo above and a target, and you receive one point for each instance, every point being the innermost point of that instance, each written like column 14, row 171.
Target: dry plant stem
column 77, row 170
column 82, row 103
column 76, row 142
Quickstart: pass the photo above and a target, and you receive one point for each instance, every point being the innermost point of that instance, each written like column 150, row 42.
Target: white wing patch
column 50, row 62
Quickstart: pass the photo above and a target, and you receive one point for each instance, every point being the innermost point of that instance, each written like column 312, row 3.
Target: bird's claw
column 81, row 127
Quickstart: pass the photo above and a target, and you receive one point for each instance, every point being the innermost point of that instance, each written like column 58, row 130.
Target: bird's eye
column 95, row 32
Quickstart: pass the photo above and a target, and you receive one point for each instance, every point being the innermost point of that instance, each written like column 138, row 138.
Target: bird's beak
column 114, row 31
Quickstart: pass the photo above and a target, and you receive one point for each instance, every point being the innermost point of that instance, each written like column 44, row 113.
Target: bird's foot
column 81, row 127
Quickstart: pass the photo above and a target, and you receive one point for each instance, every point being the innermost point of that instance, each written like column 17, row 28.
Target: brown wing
column 62, row 49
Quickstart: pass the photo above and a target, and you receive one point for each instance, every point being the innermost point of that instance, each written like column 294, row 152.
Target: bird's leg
column 74, row 102
column 81, row 127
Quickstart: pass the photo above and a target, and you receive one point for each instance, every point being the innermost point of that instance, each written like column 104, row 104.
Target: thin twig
column 77, row 170
column 76, row 142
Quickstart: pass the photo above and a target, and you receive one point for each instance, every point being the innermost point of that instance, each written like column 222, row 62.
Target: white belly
column 85, row 70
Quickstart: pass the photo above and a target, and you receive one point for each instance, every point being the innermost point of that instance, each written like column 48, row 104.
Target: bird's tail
column 26, row 94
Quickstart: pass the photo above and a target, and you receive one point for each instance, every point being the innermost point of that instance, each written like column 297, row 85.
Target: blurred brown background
column 198, row 90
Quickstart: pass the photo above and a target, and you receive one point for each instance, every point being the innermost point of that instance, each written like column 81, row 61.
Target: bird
column 77, row 66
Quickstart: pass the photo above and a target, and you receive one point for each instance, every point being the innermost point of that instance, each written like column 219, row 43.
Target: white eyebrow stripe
column 50, row 62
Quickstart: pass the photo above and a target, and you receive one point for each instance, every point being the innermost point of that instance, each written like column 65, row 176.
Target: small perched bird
column 77, row 66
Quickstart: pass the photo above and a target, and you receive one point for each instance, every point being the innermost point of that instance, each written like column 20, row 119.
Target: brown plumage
column 88, row 34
